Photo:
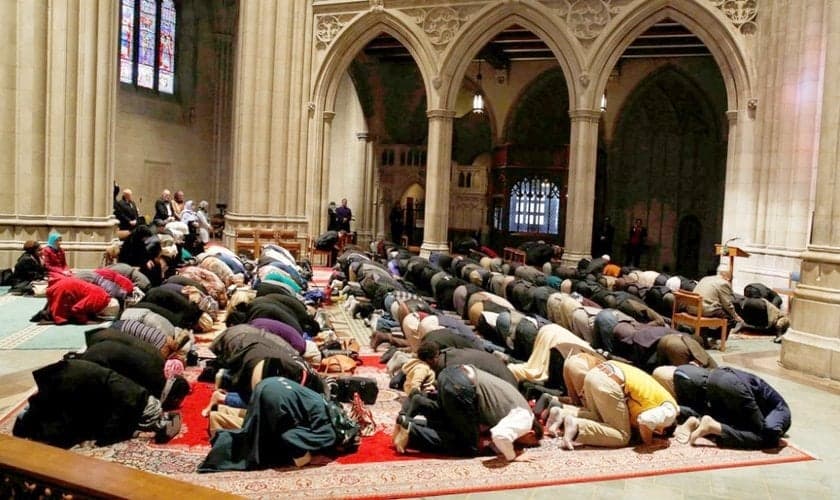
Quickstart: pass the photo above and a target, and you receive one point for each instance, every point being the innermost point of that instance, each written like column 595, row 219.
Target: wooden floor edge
column 91, row 477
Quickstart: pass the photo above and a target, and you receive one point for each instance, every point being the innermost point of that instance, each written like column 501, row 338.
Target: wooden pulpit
column 732, row 252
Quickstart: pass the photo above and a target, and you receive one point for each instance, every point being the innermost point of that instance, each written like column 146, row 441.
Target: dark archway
column 667, row 162
column 689, row 238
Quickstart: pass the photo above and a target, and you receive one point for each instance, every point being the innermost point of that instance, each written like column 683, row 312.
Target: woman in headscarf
column 28, row 267
column 203, row 220
column 53, row 257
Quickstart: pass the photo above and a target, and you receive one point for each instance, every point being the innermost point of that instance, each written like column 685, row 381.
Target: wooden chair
column 246, row 240
column 265, row 237
column 684, row 302
column 511, row 254
column 318, row 256
column 288, row 239
column 793, row 280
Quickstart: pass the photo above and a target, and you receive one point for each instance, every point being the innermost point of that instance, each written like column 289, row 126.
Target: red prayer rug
column 376, row 470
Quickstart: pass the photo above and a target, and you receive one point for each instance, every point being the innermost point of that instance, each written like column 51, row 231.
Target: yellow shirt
column 643, row 391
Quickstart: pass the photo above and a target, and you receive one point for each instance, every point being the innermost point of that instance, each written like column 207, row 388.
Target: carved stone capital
column 585, row 115
column 440, row 114
column 328, row 116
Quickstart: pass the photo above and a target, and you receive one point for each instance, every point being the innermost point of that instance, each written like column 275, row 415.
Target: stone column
column 270, row 187
column 790, row 60
column 367, row 214
column 580, row 205
column 224, row 18
column 438, row 167
column 58, row 129
column 812, row 344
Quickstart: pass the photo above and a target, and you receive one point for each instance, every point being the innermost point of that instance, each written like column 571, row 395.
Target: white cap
column 663, row 415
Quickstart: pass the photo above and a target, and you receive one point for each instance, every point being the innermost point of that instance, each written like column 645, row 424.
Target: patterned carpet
column 377, row 471
column 385, row 477
column 17, row 332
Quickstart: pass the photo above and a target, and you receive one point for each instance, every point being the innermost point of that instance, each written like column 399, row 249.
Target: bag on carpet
column 6, row 277
column 347, row 437
column 365, row 387
column 338, row 365
column 363, row 417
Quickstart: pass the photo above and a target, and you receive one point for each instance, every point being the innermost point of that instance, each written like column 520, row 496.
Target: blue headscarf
column 53, row 239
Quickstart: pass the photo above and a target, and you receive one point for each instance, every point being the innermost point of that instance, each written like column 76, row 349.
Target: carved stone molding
column 327, row 27
column 742, row 13
column 440, row 24
column 588, row 18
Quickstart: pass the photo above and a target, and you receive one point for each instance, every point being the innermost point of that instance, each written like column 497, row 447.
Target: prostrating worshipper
column 680, row 349
column 71, row 300
column 28, row 268
column 470, row 401
column 53, row 256
column 78, row 400
column 438, row 359
column 551, row 336
column 139, row 361
column 538, row 253
column 762, row 315
column 731, row 407
column 249, row 355
column 619, row 399
column 285, row 424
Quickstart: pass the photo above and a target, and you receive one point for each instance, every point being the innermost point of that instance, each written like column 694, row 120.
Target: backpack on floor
column 347, row 436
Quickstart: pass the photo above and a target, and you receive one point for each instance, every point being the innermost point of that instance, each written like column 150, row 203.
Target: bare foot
column 707, row 426
column 554, row 421
column 683, row 431
column 217, row 397
column 570, row 432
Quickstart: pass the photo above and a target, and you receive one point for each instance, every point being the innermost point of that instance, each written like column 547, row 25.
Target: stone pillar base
column 811, row 354
column 428, row 248
column 572, row 258
column 812, row 345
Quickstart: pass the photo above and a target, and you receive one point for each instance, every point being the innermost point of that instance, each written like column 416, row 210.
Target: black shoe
column 388, row 354
column 168, row 427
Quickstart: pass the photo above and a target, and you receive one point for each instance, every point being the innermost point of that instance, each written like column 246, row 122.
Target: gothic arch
column 534, row 17
column 353, row 39
column 535, row 85
column 704, row 20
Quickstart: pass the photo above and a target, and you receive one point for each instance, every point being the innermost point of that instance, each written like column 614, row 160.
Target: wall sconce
column 603, row 102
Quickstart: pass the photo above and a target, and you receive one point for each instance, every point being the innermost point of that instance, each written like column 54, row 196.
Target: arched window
column 534, row 206
column 147, row 44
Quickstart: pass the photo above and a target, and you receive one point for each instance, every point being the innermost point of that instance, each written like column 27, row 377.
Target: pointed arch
column 704, row 20
column 353, row 39
column 537, row 83
column 535, row 17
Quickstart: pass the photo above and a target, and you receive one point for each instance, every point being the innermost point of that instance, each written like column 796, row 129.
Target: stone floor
column 814, row 402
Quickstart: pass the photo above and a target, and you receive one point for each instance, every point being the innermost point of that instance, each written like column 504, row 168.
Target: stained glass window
column 147, row 44
column 534, row 206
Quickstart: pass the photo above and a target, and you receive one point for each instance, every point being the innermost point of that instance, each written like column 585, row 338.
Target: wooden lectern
column 732, row 252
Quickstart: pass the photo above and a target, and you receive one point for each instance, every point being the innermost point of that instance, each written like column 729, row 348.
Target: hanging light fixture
column 603, row 102
column 478, row 98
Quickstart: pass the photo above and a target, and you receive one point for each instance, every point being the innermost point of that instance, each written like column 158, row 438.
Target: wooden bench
column 684, row 302
column 34, row 470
